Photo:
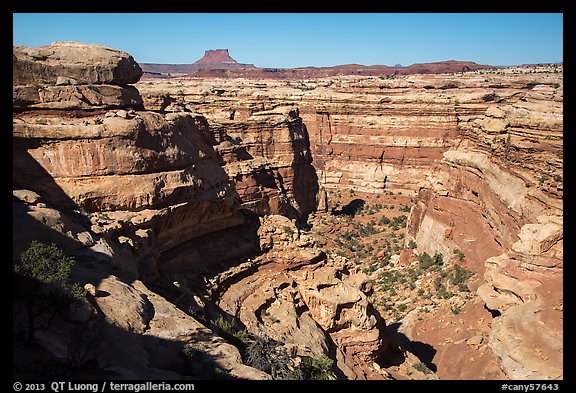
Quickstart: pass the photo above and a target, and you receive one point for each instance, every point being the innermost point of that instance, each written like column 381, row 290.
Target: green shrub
column 414, row 273
column 314, row 369
column 224, row 324
column 42, row 279
column 458, row 254
column 543, row 178
column 227, row 326
column 242, row 335
column 44, row 271
column 438, row 259
column 426, row 261
column 460, row 275
column 423, row 368
column 443, row 293
column 221, row 374
column 77, row 291
column 412, row 244
column 368, row 230
column 405, row 208
column 437, row 283
column 45, row 263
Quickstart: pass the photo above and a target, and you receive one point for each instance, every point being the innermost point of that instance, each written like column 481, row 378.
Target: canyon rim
column 233, row 222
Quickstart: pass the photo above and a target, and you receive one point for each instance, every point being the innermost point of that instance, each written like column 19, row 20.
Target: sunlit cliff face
column 291, row 207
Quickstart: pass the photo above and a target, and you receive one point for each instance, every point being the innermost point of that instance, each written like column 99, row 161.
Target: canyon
column 212, row 217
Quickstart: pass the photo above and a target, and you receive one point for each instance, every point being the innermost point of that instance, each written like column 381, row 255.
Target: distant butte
column 218, row 63
column 214, row 60
column 216, row 56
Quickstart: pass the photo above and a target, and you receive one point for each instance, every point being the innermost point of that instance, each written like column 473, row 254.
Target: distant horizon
column 370, row 65
column 292, row 40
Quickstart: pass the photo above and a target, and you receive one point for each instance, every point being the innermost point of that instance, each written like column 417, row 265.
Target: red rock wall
column 480, row 152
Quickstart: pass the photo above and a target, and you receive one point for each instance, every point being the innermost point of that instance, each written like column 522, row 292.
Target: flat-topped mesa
column 73, row 75
column 215, row 56
column 214, row 60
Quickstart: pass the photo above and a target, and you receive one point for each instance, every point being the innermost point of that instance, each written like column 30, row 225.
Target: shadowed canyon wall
column 133, row 195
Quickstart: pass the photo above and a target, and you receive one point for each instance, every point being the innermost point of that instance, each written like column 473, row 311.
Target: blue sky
column 298, row 40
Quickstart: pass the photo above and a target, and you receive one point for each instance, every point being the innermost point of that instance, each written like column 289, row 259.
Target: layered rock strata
column 155, row 193
column 363, row 130
column 480, row 151
column 144, row 200
column 508, row 168
column 268, row 157
column 315, row 306
column 133, row 195
column 71, row 75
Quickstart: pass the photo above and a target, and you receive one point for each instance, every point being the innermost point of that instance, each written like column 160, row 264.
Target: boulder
column 70, row 60
column 123, row 305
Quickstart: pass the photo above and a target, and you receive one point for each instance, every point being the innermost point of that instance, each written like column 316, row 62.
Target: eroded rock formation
column 197, row 206
column 144, row 200
column 71, row 75
column 508, row 167
column 215, row 56
column 481, row 153
column 314, row 305
column 133, row 194
column 268, row 157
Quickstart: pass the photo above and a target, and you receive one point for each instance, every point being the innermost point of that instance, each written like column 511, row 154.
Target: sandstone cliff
column 153, row 207
column 132, row 194
column 480, row 153
column 71, row 75
column 266, row 151
column 172, row 214
column 508, row 167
